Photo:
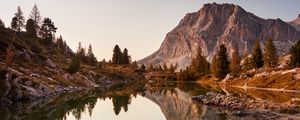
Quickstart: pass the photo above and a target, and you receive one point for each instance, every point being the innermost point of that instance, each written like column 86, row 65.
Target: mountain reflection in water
column 171, row 101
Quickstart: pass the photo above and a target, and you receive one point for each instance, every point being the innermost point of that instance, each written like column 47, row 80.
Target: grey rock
column 216, row 24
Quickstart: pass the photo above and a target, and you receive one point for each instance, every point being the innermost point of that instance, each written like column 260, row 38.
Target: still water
column 168, row 101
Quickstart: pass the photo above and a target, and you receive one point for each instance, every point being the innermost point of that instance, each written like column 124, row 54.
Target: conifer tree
column 172, row 68
column 150, row 68
column 60, row 44
column 14, row 23
column 248, row 63
column 143, row 68
column 117, row 55
column 81, row 53
column 199, row 64
column 92, row 60
column 30, row 28
column 125, row 57
column 295, row 55
column 134, row 65
column 36, row 17
column 223, row 62
column 2, row 24
column 235, row 66
column 20, row 20
column 270, row 54
column 47, row 31
column 165, row 67
column 257, row 55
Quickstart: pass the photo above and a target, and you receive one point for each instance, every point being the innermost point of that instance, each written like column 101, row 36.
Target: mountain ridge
column 216, row 24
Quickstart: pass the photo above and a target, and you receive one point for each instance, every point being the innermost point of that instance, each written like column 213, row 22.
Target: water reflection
column 169, row 100
column 120, row 102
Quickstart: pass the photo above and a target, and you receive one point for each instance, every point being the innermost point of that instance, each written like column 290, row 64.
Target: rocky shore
column 248, row 106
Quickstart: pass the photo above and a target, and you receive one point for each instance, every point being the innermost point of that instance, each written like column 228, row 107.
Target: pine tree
column 117, row 55
column 2, row 24
column 165, row 67
column 199, row 64
column 172, row 68
column 92, row 60
column 14, row 23
column 81, row 53
column 36, row 17
column 223, row 62
column 60, row 44
column 30, row 28
column 248, row 63
column 47, row 31
column 257, row 55
column 125, row 57
column 270, row 54
column 134, row 65
column 20, row 20
column 143, row 68
column 295, row 55
column 150, row 68
column 235, row 66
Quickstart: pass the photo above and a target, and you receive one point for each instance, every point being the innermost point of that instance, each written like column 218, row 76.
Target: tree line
column 222, row 64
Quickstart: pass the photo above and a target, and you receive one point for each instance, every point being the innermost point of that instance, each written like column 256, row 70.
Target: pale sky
column 138, row 25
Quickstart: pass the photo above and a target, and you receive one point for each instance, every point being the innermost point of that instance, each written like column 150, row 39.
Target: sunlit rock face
column 216, row 24
column 296, row 23
column 176, row 105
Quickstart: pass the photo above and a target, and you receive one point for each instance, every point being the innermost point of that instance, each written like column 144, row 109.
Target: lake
column 157, row 101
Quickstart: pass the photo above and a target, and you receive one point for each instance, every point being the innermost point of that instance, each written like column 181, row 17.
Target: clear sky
column 138, row 25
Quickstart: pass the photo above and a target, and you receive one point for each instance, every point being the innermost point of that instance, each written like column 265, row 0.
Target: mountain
column 296, row 23
column 216, row 24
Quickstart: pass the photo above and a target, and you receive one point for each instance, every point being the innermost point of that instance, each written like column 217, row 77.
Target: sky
column 138, row 25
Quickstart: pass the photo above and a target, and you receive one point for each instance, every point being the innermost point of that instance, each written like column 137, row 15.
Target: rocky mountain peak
column 215, row 24
column 296, row 23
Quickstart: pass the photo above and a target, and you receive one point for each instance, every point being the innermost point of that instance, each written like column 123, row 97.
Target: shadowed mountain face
column 216, row 24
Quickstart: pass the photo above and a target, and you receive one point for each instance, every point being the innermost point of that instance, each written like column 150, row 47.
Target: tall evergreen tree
column 150, row 68
column 2, row 24
column 30, row 28
column 20, row 20
column 143, row 68
column 60, row 44
column 14, row 23
column 165, row 67
column 117, row 55
column 172, row 68
column 248, row 63
column 125, row 57
column 91, row 57
column 134, row 65
column 270, row 54
column 235, row 66
column 223, row 62
column 81, row 53
column 199, row 64
column 257, row 55
column 36, row 17
column 47, row 31
column 295, row 55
